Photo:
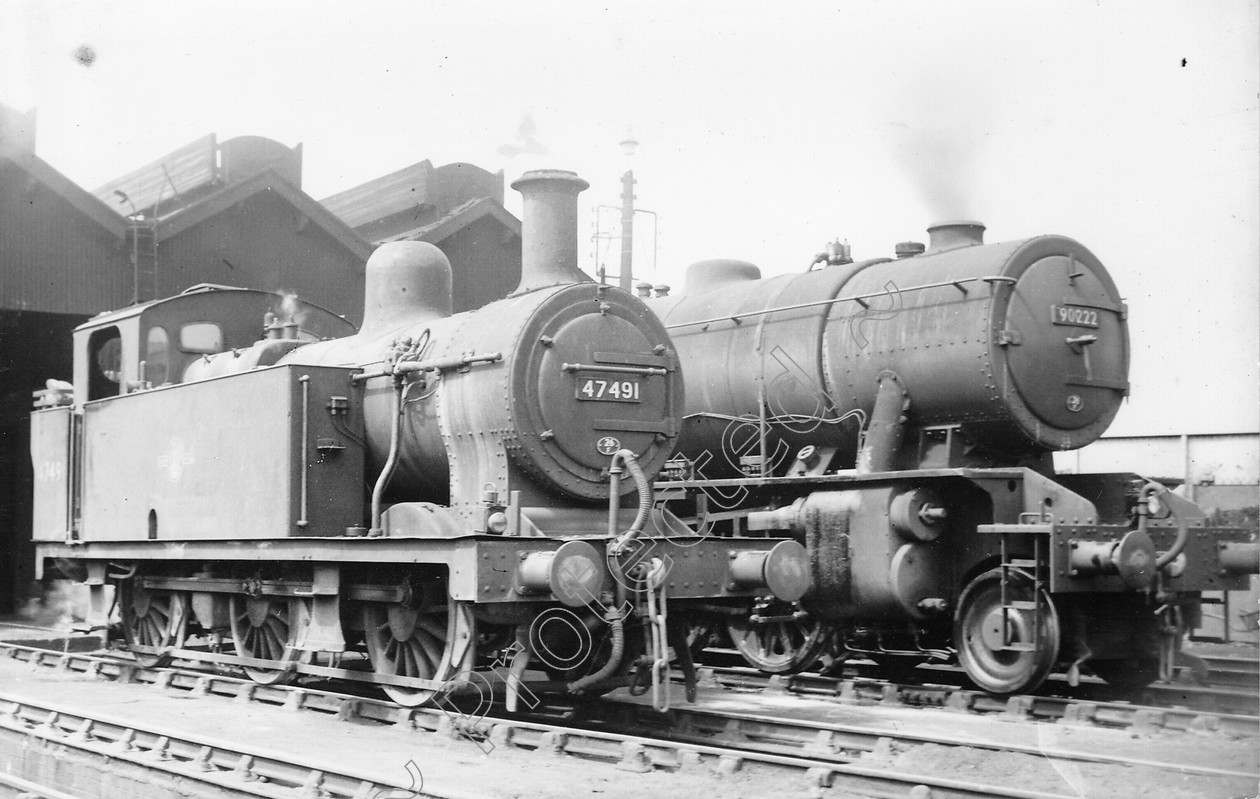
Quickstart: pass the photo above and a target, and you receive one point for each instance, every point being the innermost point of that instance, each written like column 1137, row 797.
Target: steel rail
column 629, row 752
column 1073, row 710
column 820, row 748
column 33, row 789
column 834, row 736
column 1230, row 696
column 1232, row 671
column 201, row 758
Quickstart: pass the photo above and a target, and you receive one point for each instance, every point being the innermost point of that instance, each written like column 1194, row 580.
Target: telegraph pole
column 627, row 231
column 626, row 278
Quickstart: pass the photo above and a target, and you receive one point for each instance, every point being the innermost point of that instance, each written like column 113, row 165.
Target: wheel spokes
column 425, row 652
column 262, row 629
column 152, row 619
column 781, row 641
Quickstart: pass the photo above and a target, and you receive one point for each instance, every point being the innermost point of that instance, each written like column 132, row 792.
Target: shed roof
column 188, row 174
column 382, row 196
column 458, row 219
column 267, row 180
column 420, row 185
column 41, row 172
column 183, row 171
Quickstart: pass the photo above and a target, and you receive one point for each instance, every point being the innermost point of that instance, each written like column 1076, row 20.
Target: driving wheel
column 266, row 628
column 778, row 637
column 421, row 640
column 156, row 619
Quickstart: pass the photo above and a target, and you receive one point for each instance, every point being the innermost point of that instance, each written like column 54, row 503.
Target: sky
column 764, row 130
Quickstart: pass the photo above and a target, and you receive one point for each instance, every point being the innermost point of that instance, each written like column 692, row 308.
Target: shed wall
column 485, row 263
column 1199, row 460
column 259, row 243
column 54, row 258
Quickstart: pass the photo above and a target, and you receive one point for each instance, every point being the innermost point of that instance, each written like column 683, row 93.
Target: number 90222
column 1073, row 315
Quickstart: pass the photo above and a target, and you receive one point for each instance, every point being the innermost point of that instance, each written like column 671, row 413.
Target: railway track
column 213, row 766
column 1230, row 685
column 12, row 787
column 1067, row 710
column 1230, row 670
column 691, row 738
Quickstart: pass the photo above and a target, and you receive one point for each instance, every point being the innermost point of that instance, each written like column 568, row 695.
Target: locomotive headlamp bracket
column 1079, row 343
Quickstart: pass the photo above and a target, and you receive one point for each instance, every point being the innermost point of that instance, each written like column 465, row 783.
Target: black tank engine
column 427, row 498
column 896, row 416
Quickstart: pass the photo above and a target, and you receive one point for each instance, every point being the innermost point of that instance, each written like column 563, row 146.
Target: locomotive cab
column 155, row 343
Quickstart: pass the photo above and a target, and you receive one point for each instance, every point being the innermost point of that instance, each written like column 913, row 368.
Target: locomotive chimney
column 549, row 229
column 406, row 282
column 952, row 235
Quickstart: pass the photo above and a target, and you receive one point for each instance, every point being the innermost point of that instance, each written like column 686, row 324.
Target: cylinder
column 549, row 228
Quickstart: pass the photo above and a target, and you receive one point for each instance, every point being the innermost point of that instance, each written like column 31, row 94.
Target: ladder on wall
column 143, row 233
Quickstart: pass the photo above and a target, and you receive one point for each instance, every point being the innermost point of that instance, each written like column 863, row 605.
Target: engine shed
column 227, row 213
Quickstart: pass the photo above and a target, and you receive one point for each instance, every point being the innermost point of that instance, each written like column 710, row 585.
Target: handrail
column 858, row 298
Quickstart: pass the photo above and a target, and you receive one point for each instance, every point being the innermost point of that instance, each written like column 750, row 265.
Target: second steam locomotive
column 897, row 417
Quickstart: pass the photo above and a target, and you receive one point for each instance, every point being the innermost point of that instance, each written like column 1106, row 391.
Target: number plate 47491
column 608, row 389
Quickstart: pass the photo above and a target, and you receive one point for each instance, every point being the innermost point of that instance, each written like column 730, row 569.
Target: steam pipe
column 382, row 480
column 1183, row 530
column 519, row 663
column 887, row 426
column 614, row 496
column 613, row 617
column 614, row 501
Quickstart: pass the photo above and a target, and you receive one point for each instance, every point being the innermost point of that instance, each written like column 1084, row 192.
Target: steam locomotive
column 897, row 417
column 410, row 504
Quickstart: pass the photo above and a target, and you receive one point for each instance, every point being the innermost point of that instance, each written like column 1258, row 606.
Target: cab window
column 201, row 337
column 105, row 356
column 157, row 357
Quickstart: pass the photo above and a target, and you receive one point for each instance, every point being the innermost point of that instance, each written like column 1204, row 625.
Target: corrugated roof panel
column 383, row 196
column 190, row 167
